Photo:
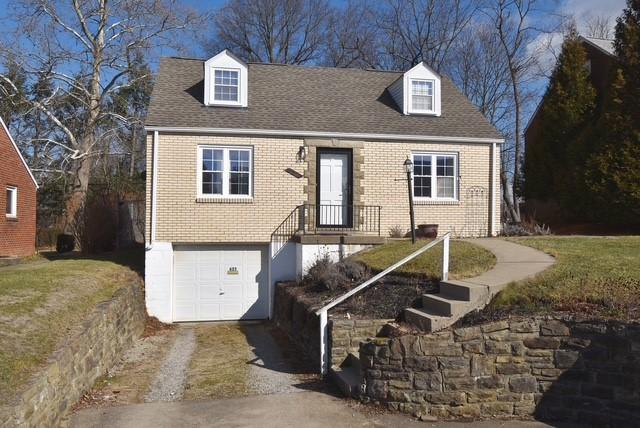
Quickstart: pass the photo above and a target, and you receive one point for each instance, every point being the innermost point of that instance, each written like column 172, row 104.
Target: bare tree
column 274, row 31
column 422, row 30
column 512, row 21
column 477, row 66
column 352, row 37
column 78, row 49
column 598, row 27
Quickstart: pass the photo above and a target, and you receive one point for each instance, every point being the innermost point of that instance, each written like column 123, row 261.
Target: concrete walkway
column 457, row 298
column 515, row 262
column 305, row 409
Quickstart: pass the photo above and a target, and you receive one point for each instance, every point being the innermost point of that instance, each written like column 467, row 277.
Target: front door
column 335, row 188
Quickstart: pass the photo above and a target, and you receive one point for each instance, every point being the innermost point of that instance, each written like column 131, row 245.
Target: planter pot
column 428, row 230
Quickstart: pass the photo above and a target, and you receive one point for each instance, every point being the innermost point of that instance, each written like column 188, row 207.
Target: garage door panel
column 220, row 283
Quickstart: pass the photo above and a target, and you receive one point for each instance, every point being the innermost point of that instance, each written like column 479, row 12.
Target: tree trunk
column 134, row 146
column 76, row 201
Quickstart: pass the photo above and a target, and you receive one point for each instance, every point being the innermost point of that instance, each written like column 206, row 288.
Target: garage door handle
column 221, row 292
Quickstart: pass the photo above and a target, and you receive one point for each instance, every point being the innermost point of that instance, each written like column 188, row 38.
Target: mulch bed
column 385, row 299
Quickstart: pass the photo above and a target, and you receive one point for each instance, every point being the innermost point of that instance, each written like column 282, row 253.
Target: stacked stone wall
column 553, row 369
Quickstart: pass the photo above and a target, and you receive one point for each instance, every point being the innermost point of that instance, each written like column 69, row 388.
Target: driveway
column 227, row 375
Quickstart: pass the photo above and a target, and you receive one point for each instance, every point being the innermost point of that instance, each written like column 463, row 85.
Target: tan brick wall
column 385, row 184
column 180, row 218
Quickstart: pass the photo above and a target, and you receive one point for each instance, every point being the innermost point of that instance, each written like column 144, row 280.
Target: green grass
column 40, row 303
column 593, row 276
column 466, row 259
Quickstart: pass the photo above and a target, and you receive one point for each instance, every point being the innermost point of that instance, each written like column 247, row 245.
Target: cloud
column 585, row 10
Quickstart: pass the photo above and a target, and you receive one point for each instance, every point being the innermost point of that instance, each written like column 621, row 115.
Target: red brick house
column 17, row 198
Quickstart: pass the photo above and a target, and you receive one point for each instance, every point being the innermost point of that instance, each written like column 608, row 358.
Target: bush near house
column 593, row 276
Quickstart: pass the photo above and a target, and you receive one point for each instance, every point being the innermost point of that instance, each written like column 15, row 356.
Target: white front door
column 334, row 189
column 212, row 283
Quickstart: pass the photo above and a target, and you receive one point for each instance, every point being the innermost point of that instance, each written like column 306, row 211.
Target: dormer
column 417, row 92
column 225, row 81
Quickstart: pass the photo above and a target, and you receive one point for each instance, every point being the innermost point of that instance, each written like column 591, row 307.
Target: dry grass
column 466, row 259
column 592, row 275
column 219, row 366
column 40, row 304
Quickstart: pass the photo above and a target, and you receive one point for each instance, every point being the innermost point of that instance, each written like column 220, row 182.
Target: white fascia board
column 15, row 146
column 314, row 134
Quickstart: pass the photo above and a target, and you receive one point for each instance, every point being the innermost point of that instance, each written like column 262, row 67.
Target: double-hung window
column 11, row 209
column 225, row 172
column 434, row 176
column 422, row 96
column 226, row 85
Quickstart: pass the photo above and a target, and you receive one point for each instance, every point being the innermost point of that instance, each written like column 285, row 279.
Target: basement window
column 11, row 210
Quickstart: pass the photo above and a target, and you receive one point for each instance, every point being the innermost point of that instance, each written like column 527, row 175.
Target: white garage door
column 220, row 283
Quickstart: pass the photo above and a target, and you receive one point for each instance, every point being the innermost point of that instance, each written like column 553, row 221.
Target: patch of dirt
column 154, row 326
column 385, row 299
column 130, row 378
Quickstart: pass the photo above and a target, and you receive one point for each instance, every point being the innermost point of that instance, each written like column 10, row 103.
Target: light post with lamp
column 408, row 166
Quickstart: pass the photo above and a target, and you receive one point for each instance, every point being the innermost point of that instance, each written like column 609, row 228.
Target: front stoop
column 459, row 297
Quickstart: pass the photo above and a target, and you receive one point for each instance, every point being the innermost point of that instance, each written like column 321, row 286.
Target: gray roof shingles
column 295, row 98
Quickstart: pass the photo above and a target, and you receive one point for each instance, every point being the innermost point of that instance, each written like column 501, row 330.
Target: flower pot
column 428, row 230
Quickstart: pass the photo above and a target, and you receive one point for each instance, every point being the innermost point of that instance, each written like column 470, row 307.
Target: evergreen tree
column 555, row 164
column 614, row 168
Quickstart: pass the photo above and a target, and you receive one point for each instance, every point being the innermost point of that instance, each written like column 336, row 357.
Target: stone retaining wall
column 299, row 321
column 86, row 355
column 553, row 369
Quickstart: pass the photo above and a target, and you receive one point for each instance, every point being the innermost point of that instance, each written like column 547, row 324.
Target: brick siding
column 380, row 181
column 17, row 236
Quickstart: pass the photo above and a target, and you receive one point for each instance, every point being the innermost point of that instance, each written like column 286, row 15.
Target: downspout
column 492, row 208
column 154, row 187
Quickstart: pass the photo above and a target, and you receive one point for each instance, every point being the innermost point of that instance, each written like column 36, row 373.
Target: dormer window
column 226, row 81
column 422, row 95
column 418, row 92
column 226, row 85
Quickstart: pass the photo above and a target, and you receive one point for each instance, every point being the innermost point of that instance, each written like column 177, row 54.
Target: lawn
column 465, row 259
column 41, row 303
column 593, row 276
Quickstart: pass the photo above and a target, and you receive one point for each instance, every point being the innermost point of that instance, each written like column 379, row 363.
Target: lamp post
column 408, row 167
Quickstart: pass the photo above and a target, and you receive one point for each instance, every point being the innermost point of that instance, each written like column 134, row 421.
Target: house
column 18, row 197
column 600, row 60
column 256, row 170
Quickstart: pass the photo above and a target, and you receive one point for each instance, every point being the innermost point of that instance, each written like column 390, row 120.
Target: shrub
column 397, row 232
column 325, row 275
column 527, row 227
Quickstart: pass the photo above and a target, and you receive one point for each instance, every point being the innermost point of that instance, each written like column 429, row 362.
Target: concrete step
column 348, row 379
column 463, row 290
column 443, row 304
column 426, row 320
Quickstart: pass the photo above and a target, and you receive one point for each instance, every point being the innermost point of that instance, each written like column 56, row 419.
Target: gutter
column 154, row 187
column 315, row 134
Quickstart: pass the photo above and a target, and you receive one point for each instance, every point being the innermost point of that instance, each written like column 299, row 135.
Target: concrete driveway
column 305, row 409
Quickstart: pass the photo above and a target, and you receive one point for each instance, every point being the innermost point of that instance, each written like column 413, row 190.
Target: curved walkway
column 515, row 262
column 457, row 298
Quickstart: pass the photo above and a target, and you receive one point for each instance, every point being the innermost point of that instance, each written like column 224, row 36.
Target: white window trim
column 433, row 96
column 14, row 202
column 434, row 177
column 226, row 168
column 213, row 100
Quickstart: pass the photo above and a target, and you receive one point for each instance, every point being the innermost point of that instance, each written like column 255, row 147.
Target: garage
column 213, row 283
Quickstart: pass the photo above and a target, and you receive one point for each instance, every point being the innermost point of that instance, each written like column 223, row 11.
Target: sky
column 582, row 10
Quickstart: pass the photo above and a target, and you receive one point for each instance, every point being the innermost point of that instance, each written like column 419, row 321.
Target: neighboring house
column 256, row 170
column 600, row 58
column 18, row 199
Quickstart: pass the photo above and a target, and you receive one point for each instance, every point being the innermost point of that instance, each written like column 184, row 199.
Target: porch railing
column 362, row 219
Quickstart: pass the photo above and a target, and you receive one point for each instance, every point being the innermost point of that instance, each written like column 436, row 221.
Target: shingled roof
column 315, row 99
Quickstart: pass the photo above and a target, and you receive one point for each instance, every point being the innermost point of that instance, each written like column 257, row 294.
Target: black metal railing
column 318, row 219
column 362, row 219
